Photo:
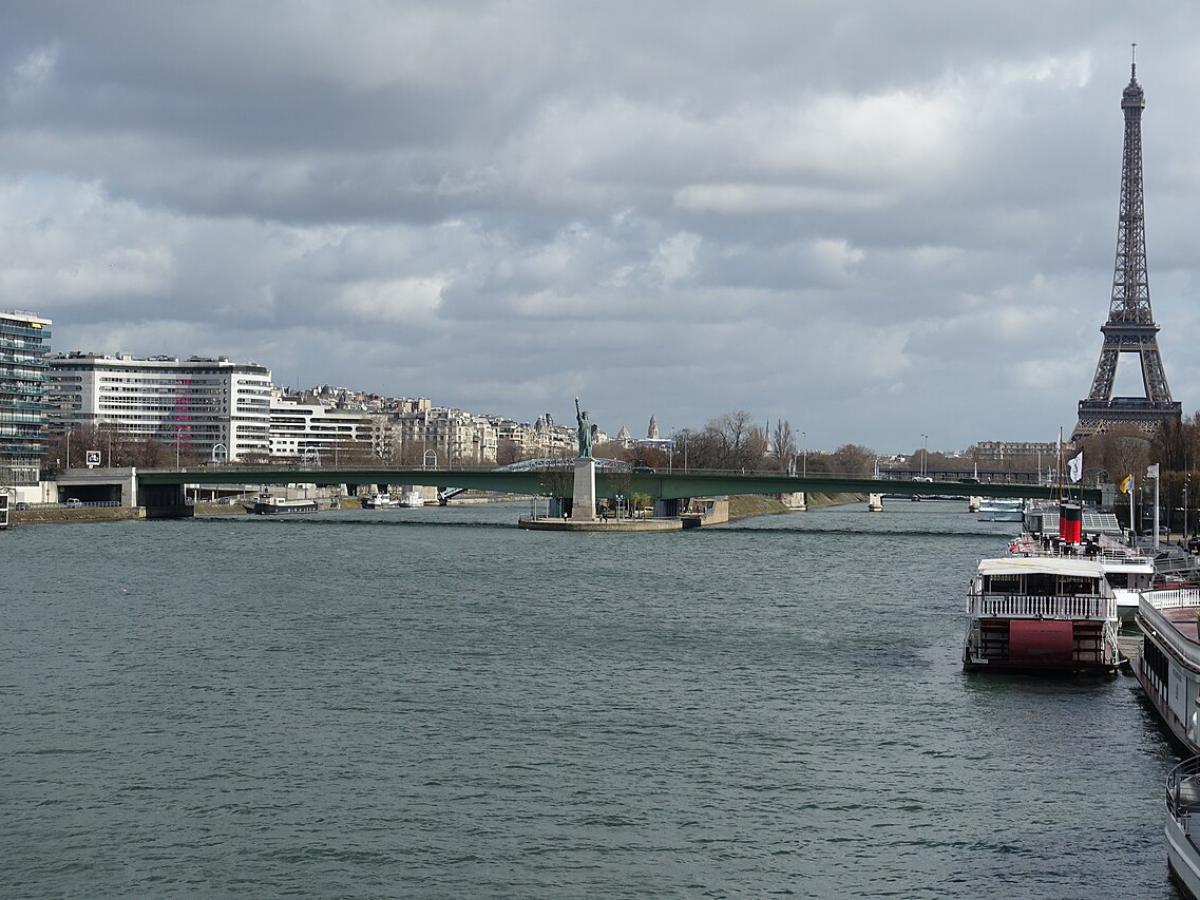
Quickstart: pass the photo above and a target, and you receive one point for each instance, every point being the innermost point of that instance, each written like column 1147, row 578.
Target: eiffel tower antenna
column 1130, row 327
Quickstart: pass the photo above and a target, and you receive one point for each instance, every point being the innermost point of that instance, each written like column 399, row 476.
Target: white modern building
column 207, row 406
column 323, row 435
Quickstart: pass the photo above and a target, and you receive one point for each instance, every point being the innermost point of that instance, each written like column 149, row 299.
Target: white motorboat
column 1002, row 511
column 380, row 501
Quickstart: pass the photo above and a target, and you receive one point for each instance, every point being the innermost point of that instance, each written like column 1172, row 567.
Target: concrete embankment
column 745, row 506
column 55, row 514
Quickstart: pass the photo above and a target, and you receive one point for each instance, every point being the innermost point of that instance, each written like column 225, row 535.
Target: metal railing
column 1038, row 606
column 79, row 504
column 1176, row 599
column 1059, row 550
column 1183, row 790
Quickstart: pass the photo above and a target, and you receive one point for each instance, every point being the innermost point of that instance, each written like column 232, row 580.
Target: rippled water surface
column 431, row 703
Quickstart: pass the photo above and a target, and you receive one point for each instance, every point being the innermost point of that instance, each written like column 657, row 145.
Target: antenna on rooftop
column 1133, row 60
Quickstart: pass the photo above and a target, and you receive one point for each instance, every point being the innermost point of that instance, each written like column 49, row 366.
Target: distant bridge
column 164, row 487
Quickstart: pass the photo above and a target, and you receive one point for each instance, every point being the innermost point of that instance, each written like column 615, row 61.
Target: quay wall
column 55, row 514
column 745, row 506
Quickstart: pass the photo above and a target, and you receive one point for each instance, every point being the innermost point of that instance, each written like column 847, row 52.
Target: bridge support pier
column 164, row 501
column 874, row 502
column 973, row 504
column 795, row 500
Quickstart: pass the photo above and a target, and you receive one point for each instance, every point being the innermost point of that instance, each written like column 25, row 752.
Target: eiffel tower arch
column 1130, row 328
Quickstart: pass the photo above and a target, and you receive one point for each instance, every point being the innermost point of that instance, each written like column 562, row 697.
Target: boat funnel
column 1070, row 523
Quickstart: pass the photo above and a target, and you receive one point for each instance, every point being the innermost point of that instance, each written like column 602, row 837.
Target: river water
column 431, row 703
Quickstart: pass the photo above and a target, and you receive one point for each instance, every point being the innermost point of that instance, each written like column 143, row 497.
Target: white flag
column 1152, row 471
column 1075, row 467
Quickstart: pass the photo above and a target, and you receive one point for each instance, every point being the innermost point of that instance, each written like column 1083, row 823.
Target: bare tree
column 785, row 444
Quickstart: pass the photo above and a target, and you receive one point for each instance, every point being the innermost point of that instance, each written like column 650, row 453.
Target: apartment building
column 452, row 435
column 314, row 433
column 208, row 406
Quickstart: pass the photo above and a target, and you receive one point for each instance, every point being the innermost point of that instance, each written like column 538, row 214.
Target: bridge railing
column 565, row 464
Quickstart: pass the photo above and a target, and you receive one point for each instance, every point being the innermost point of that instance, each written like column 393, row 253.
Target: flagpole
column 1156, row 481
column 1133, row 508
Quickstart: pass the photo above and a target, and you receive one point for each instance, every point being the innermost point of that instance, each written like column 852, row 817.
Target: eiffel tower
column 1130, row 327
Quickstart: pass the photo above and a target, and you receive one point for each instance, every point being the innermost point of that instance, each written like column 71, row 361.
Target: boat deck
column 1184, row 620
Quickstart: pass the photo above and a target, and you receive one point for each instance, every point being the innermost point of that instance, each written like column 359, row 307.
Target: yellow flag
column 1126, row 484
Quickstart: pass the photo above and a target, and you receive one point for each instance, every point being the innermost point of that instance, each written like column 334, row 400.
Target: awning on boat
column 1048, row 565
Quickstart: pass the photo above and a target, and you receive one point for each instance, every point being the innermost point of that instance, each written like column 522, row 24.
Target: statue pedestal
column 583, row 496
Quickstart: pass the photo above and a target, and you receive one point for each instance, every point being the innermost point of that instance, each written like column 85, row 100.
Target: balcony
column 1037, row 606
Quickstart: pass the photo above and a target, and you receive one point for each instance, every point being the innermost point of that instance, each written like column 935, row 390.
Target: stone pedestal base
column 874, row 502
column 583, row 497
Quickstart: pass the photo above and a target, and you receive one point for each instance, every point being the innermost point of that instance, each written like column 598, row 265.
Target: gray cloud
column 875, row 219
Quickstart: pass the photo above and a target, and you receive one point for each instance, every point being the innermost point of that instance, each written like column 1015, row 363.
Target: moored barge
column 1168, row 668
column 1183, row 826
column 267, row 505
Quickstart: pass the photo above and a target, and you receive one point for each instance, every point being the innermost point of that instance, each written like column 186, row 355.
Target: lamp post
column 685, row 451
column 924, row 455
column 1187, row 479
column 804, row 452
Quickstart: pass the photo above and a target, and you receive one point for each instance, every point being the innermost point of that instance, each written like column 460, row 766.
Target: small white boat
column 380, row 501
column 1002, row 511
column 412, row 499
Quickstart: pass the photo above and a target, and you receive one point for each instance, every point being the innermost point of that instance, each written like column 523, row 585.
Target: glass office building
column 24, row 343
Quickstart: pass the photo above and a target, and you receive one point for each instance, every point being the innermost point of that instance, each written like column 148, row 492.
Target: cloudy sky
column 875, row 219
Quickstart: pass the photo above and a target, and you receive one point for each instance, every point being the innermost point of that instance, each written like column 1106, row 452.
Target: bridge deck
column 665, row 485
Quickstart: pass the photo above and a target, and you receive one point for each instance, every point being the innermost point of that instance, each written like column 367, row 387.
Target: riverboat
column 267, row 505
column 1002, row 511
column 1183, row 826
column 1041, row 613
column 1168, row 667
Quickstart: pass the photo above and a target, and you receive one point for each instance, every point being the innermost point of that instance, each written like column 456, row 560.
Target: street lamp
column 925, row 455
column 804, row 451
column 685, row 451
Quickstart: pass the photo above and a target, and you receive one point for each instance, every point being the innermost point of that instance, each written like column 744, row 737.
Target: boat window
column 1072, row 585
column 1002, row 584
column 1118, row 579
column 1041, row 584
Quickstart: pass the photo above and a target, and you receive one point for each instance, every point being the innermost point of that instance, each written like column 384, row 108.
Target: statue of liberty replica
column 586, row 431
column 583, row 493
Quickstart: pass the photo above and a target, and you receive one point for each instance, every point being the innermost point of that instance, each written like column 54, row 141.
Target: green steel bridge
column 164, row 487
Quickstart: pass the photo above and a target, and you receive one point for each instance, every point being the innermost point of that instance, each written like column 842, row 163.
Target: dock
column 1130, row 646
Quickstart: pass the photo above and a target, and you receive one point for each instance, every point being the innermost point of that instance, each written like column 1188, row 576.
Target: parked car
column 73, row 503
column 22, row 505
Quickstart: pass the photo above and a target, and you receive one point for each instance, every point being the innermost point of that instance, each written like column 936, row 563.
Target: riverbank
column 57, row 514
column 746, row 506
